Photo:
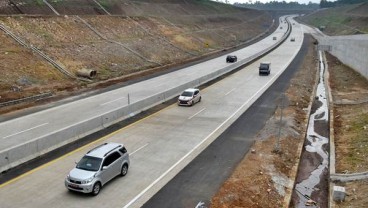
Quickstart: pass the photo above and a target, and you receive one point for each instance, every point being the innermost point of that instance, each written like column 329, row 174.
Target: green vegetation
column 275, row 5
column 360, row 143
column 344, row 20
column 326, row 3
column 104, row 3
column 39, row 2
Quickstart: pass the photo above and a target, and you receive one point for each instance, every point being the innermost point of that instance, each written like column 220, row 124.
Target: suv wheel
column 96, row 189
column 124, row 170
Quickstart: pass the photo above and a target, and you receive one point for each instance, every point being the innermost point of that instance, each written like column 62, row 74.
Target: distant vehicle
column 292, row 39
column 280, row 27
column 265, row 68
column 231, row 59
column 189, row 97
column 274, row 38
column 98, row 167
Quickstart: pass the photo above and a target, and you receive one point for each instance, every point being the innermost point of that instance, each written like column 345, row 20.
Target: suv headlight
column 89, row 180
column 68, row 177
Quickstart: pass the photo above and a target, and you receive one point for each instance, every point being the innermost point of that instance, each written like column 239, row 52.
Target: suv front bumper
column 84, row 188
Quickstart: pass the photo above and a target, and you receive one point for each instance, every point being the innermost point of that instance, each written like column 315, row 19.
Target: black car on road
column 231, row 59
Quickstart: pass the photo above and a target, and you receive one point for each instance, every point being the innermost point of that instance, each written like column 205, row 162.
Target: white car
column 189, row 97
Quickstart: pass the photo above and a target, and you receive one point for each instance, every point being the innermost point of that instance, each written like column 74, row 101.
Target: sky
column 264, row 1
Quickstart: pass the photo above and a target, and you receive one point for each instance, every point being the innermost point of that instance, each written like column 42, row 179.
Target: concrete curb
column 348, row 177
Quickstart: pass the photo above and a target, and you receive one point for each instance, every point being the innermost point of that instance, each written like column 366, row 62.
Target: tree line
column 326, row 3
column 275, row 5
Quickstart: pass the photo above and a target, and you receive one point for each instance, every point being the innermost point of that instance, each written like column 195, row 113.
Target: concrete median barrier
column 26, row 151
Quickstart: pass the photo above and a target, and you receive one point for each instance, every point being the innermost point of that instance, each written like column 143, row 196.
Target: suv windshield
column 264, row 66
column 187, row 94
column 89, row 163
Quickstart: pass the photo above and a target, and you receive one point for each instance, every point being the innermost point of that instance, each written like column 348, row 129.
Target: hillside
column 343, row 20
column 114, row 38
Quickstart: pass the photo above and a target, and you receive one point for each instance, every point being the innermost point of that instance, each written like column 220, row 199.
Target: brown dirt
column 262, row 178
column 350, row 129
column 356, row 194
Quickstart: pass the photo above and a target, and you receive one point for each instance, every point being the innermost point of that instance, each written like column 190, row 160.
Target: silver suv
column 98, row 167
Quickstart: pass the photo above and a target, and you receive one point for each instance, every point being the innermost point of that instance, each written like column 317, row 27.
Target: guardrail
column 38, row 146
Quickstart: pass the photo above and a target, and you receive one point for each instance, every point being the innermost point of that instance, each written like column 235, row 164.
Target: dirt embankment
column 344, row 20
column 263, row 178
column 138, row 37
column 350, row 108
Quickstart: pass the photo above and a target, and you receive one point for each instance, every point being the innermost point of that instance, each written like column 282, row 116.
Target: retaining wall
column 352, row 50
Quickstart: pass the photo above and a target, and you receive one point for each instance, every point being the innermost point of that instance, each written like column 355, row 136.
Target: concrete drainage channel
column 24, row 152
column 316, row 180
column 311, row 188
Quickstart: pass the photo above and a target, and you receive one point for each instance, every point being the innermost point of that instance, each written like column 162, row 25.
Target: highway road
column 160, row 145
column 23, row 130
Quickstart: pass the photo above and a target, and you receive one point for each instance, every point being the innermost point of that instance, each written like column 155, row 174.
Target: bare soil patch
column 350, row 94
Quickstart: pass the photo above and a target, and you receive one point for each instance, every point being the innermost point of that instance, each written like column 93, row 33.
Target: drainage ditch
column 311, row 188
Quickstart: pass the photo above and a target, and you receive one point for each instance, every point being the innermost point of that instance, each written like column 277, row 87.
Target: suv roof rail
column 112, row 150
column 97, row 147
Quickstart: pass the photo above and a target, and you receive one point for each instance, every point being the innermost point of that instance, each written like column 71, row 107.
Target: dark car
column 265, row 68
column 231, row 59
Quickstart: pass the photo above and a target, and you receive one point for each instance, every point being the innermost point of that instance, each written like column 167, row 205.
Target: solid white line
column 198, row 145
column 25, row 130
column 112, row 101
column 230, row 91
column 197, row 113
column 139, row 149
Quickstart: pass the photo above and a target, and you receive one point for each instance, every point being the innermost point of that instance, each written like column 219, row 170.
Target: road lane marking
column 197, row 113
column 230, row 91
column 25, row 130
column 199, row 144
column 112, row 101
column 77, row 150
column 139, row 149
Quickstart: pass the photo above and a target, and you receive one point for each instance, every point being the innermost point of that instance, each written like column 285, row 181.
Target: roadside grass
column 359, row 143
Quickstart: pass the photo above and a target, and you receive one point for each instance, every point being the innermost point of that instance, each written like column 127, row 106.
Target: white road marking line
column 139, row 149
column 112, row 101
column 230, row 91
column 25, row 130
column 198, row 145
column 197, row 113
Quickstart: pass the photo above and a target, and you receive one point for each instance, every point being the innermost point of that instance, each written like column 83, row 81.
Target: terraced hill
column 114, row 38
